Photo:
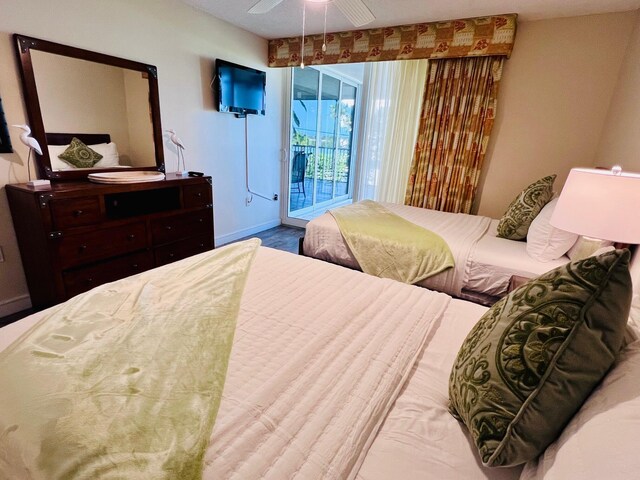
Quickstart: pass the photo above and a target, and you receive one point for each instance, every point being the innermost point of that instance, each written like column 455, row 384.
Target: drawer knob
column 131, row 236
column 89, row 280
column 168, row 227
column 82, row 248
column 134, row 266
column 171, row 255
column 77, row 213
column 200, row 220
column 199, row 194
column 202, row 245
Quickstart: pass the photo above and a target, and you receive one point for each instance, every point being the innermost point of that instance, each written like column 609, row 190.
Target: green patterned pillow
column 79, row 155
column 515, row 223
column 534, row 357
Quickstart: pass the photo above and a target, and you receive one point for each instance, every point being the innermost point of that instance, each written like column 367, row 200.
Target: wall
column 555, row 93
column 71, row 91
column 620, row 141
column 182, row 43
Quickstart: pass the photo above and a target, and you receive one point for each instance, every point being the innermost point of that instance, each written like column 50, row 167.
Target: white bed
column 281, row 417
column 485, row 263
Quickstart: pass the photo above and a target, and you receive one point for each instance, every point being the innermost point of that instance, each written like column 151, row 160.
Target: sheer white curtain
column 392, row 101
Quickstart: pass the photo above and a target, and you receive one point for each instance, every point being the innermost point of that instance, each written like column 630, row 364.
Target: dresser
column 78, row 235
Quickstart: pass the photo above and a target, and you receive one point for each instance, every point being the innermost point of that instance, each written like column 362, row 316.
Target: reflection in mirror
column 108, row 103
column 83, row 97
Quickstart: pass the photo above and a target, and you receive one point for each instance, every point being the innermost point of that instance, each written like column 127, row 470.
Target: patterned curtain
column 457, row 117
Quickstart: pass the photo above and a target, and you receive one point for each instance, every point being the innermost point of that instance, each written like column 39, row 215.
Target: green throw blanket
column 124, row 381
column 386, row 245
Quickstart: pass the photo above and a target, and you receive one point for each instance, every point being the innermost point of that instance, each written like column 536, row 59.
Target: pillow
column 514, row 224
column 57, row 163
column 601, row 441
column 533, row 358
column 109, row 152
column 586, row 247
column 546, row 242
column 79, row 155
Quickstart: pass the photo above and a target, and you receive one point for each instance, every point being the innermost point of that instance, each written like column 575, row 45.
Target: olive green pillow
column 533, row 358
column 515, row 223
column 79, row 155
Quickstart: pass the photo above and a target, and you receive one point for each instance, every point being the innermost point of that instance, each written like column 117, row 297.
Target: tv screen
column 241, row 90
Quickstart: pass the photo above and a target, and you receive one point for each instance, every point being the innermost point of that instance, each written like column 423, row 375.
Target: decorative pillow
column 514, row 224
column 109, row 152
column 601, row 441
column 546, row 242
column 79, row 155
column 534, row 357
column 586, row 247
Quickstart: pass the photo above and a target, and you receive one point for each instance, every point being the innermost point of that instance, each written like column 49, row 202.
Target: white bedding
column 324, row 241
column 484, row 262
column 303, row 399
column 420, row 440
column 493, row 260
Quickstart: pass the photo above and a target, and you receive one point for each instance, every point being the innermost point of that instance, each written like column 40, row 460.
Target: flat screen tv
column 241, row 90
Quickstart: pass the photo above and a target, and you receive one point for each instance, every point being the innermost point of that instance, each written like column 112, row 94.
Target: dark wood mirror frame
column 23, row 46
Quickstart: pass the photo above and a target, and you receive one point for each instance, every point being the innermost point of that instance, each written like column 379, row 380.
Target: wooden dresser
column 77, row 235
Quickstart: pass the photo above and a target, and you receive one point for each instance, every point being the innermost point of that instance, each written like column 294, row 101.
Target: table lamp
column 602, row 204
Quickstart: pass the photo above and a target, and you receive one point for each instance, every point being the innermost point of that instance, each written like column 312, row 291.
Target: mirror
column 108, row 103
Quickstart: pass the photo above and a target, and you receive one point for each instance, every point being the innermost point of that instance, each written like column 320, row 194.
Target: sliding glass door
column 321, row 152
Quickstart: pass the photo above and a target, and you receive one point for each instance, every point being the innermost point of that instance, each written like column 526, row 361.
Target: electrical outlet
column 275, row 197
column 1, row 255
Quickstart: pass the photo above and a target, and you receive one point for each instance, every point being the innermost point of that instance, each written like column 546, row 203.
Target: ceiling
column 285, row 19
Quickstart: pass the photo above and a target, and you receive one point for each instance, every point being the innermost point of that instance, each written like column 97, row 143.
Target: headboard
column 86, row 138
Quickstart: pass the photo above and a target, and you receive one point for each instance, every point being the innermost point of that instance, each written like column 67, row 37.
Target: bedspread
column 388, row 246
column 315, row 368
column 461, row 232
column 124, row 381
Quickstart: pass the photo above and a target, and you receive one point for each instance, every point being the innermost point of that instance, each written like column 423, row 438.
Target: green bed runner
column 386, row 245
column 124, row 381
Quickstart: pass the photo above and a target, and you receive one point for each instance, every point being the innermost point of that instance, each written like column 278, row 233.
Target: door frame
column 285, row 183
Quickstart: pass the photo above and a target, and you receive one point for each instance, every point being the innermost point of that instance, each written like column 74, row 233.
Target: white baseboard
column 230, row 237
column 14, row 305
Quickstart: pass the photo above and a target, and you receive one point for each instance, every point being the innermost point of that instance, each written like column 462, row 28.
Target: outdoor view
column 323, row 111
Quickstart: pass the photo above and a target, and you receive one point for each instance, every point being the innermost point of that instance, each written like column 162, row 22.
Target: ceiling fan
column 356, row 11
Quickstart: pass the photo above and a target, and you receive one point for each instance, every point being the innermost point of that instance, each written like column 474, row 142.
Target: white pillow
column 545, row 242
column 109, row 152
column 601, row 441
column 57, row 163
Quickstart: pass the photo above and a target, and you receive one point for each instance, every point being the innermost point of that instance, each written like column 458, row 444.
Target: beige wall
column 141, row 146
column 77, row 96
column 554, row 97
column 620, row 141
column 183, row 44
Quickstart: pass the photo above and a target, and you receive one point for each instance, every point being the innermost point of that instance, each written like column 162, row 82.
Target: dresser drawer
column 101, row 243
column 75, row 212
column 196, row 195
column 177, row 227
column 85, row 278
column 183, row 249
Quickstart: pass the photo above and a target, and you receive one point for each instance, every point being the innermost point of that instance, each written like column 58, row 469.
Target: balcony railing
column 325, row 157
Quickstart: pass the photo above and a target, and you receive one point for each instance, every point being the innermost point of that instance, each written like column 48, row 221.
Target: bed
column 302, row 398
column 485, row 263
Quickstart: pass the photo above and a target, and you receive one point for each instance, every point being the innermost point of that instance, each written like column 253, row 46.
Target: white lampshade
column 603, row 204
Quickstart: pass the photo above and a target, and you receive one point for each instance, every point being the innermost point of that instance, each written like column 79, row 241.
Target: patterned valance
column 475, row 37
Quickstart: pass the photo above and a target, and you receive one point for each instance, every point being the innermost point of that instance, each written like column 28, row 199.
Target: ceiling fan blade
column 356, row 11
column 263, row 6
